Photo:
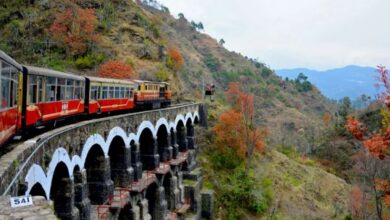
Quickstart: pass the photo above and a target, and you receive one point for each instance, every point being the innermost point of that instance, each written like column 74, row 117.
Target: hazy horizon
column 319, row 35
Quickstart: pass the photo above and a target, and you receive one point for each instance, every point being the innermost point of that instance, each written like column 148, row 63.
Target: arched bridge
column 133, row 166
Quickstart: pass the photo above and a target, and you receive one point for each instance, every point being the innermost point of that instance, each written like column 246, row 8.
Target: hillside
column 149, row 39
column 142, row 36
column 302, row 191
column 351, row 81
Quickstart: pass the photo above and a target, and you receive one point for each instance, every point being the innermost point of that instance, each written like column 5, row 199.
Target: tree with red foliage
column 236, row 127
column 377, row 144
column 175, row 60
column 356, row 203
column 116, row 69
column 75, row 27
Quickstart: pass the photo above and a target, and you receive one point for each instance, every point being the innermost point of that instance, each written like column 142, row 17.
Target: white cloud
column 302, row 33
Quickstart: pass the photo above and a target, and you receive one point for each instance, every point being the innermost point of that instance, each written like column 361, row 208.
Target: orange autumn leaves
column 175, row 60
column 377, row 143
column 116, row 69
column 235, row 128
column 75, row 27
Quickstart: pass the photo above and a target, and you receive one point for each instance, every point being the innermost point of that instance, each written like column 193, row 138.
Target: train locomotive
column 31, row 97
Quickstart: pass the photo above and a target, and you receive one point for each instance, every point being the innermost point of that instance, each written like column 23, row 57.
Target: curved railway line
column 39, row 140
column 34, row 134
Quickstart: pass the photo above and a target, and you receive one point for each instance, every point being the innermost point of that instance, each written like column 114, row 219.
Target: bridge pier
column 64, row 203
column 149, row 150
column 81, row 199
column 136, row 161
column 164, row 146
column 190, row 135
column 174, row 145
column 181, row 137
column 120, row 162
column 100, row 185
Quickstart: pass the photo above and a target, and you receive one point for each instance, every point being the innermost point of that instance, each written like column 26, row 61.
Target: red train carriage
column 52, row 95
column 10, row 107
column 107, row 95
column 152, row 94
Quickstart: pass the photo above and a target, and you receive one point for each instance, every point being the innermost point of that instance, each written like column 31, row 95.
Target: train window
column 122, row 92
column 61, row 85
column 78, row 90
column 5, row 86
column 69, row 93
column 32, row 89
column 105, row 92
column 40, row 81
column 111, row 92
column 117, row 92
column 139, row 87
column 51, row 89
column 95, row 92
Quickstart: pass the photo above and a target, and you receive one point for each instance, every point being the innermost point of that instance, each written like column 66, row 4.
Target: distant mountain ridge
column 351, row 81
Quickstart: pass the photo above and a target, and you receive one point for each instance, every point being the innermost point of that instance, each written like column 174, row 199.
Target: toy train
column 31, row 97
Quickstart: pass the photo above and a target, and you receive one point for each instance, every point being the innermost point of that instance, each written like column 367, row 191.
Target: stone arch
column 62, row 192
column 98, row 175
column 37, row 190
column 148, row 149
column 36, row 175
column 181, row 136
column 144, row 125
column 119, row 161
column 190, row 127
column 188, row 117
column 115, row 133
column 95, row 140
column 161, row 122
column 163, row 143
column 196, row 119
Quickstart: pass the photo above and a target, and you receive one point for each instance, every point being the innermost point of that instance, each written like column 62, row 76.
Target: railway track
column 33, row 134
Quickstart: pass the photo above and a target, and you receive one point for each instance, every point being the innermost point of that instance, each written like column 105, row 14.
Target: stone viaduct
column 132, row 166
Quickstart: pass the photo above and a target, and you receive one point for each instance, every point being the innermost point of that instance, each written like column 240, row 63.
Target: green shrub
column 56, row 62
column 236, row 195
column 162, row 74
column 224, row 160
column 212, row 63
column 266, row 72
column 89, row 61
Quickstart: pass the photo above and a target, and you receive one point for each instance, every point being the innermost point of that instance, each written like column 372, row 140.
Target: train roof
column 109, row 80
column 53, row 73
column 145, row 81
column 9, row 60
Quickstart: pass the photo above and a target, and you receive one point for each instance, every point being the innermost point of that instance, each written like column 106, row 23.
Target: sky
column 317, row 34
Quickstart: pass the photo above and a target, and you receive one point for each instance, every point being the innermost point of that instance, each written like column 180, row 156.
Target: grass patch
column 292, row 181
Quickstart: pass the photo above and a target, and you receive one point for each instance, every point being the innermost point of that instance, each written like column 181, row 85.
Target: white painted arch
column 36, row 174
